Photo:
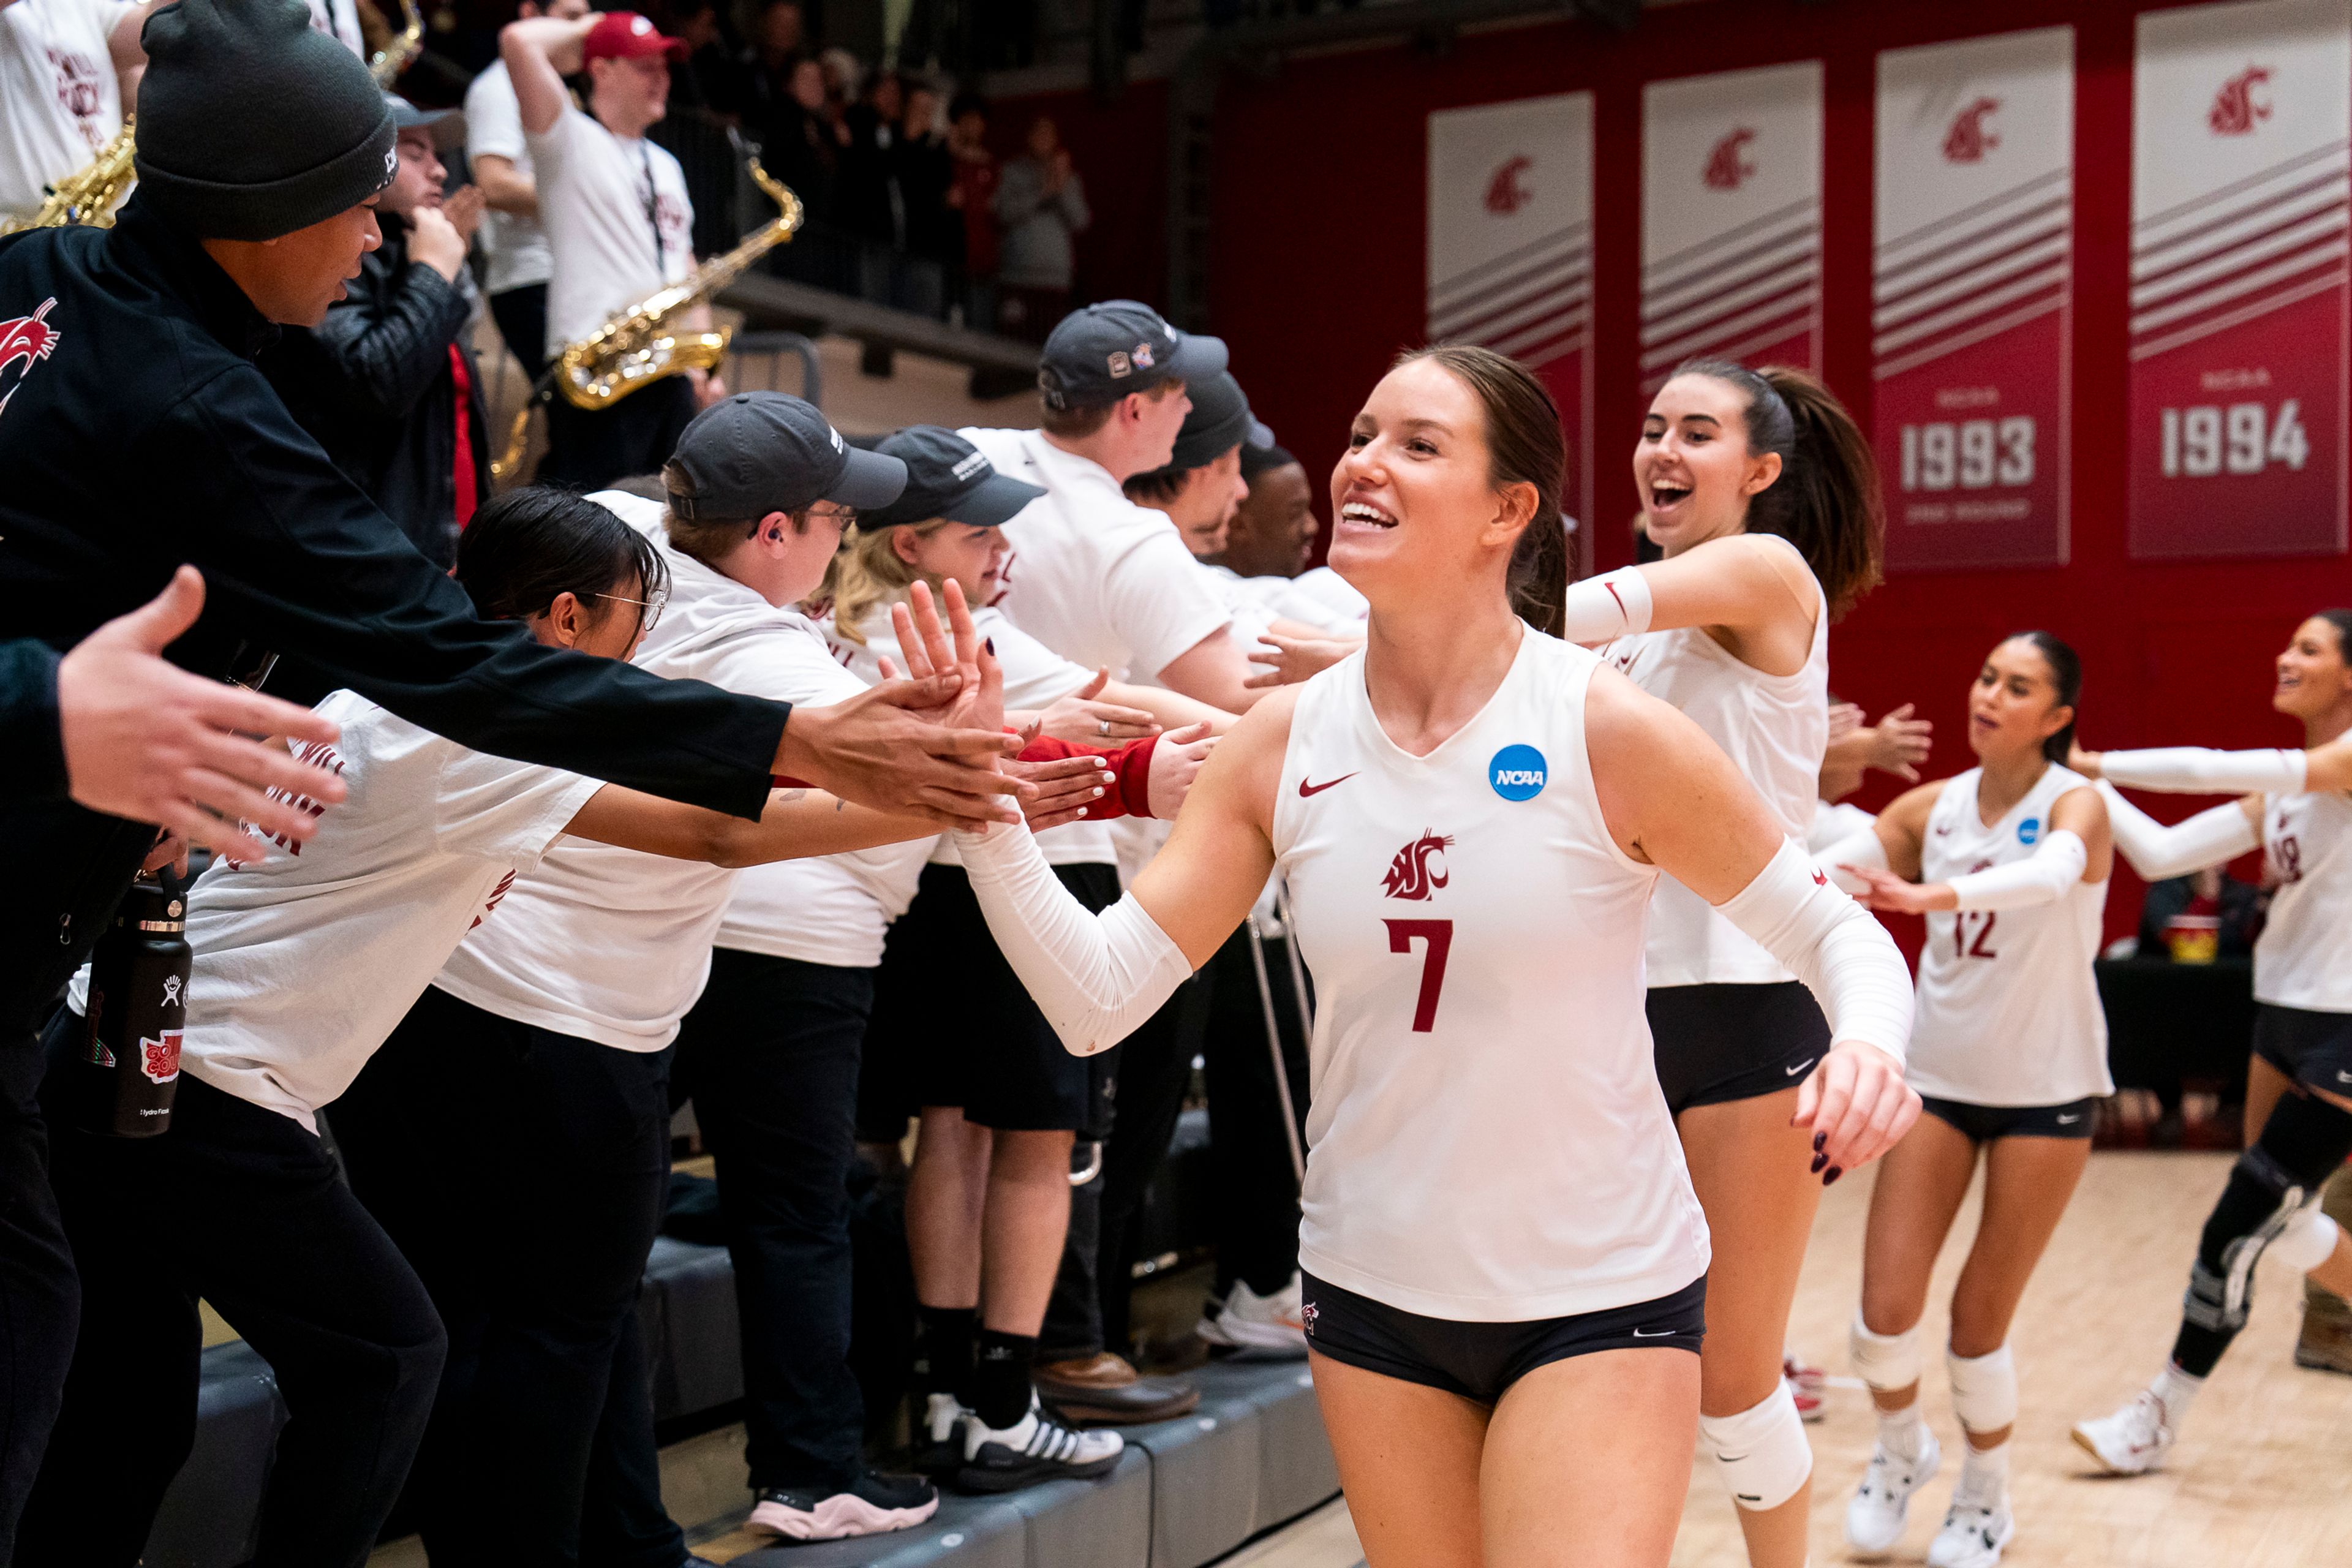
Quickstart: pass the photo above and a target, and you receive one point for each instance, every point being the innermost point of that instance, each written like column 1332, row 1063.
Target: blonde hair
column 868, row 572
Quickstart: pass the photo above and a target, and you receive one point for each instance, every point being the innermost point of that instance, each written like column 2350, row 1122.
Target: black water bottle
column 129, row 1066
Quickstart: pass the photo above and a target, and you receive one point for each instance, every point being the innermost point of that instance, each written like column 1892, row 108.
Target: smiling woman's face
column 1693, row 466
column 2312, row 674
column 1413, row 491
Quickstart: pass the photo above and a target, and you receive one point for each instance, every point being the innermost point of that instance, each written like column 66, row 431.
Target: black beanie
column 252, row 124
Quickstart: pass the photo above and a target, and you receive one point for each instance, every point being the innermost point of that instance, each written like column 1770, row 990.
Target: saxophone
column 387, row 63
column 86, row 196
column 636, row 348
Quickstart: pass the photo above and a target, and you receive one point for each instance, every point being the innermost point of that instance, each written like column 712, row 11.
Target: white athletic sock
column 1984, row 1477
column 1901, row 1432
column 2174, row 1389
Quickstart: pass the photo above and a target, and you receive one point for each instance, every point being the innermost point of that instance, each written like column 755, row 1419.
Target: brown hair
column 866, row 571
column 1077, row 423
column 707, row 538
column 1524, row 447
column 1826, row 501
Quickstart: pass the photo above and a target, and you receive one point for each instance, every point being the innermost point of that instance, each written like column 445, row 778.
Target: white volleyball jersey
column 2008, row 1013
column 1775, row 729
column 1489, row 1143
column 2304, row 957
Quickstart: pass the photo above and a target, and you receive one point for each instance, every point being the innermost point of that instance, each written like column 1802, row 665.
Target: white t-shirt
column 60, row 100
column 1489, row 1144
column 515, row 244
column 601, row 200
column 1327, row 587
column 1096, row 578
column 1285, row 598
column 306, row 960
column 339, row 19
column 614, row 945
column 1034, row 677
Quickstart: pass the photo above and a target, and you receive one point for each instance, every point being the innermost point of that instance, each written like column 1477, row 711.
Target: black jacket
column 372, row 385
column 136, row 434
column 32, row 753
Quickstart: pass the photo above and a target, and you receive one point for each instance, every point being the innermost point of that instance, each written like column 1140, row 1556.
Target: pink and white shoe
column 872, row 1505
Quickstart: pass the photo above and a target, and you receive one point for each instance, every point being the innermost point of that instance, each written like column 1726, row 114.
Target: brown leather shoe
column 1105, row 1391
column 2325, row 1345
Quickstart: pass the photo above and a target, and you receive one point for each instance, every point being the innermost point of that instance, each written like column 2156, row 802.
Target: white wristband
column 1844, row 957
column 2214, row 837
column 1600, row 609
column 2193, row 770
column 2041, row 877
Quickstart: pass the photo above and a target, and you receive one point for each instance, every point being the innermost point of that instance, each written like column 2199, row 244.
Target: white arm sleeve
column 1858, row 848
column 1613, row 605
column 2041, row 877
column 1095, row 977
column 2193, row 770
column 2212, row 837
column 1844, row 957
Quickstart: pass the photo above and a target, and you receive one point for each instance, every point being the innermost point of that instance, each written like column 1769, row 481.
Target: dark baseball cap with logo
column 1099, row 355
column 948, row 477
column 758, row 452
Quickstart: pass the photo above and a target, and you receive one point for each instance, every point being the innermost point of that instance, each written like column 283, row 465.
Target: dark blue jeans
column 769, row 1055
column 523, row 1173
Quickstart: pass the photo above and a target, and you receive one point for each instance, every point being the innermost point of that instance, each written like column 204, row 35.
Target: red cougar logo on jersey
column 27, row 338
column 1727, row 167
column 1505, row 194
column 1967, row 141
column 160, row 1059
column 1410, row 875
column 2235, row 108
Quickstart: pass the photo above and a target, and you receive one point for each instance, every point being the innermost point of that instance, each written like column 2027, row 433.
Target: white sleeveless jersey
column 1489, row 1143
column 1774, row 728
column 2009, row 1011
column 2304, row 957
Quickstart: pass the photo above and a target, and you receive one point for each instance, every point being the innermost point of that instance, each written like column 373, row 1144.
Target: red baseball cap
column 624, row 34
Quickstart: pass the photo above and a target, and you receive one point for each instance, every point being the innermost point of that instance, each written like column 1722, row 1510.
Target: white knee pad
column 2308, row 1241
column 1886, row 1361
column 1761, row 1453
column 1984, row 1390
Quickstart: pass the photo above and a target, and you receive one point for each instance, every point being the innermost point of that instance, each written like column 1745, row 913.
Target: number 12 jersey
column 1490, row 1140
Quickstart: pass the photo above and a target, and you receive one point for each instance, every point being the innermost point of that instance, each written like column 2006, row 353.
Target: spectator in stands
column 703, row 80
column 863, row 199
column 1041, row 204
column 844, row 78
column 1200, row 485
column 972, row 198
column 760, row 88
column 1272, row 534
column 512, row 240
column 2196, row 919
column 387, row 383
column 928, row 236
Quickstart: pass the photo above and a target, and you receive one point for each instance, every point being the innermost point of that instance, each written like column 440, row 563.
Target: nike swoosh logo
column 1307, row 790
column 2070, row 1121
column 1800, row 1067
column 1652, row 1333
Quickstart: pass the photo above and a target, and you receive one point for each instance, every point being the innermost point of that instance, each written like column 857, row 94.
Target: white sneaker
column 1034, row 1449
column 1873, row 1520
column 1973, row 1534
column 2132, row 1440
column 1272, row 1327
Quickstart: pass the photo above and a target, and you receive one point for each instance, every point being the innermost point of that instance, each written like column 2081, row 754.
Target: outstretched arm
column 1753, row 587
column 2213, row 837
column 2194, row 770
column 1671, row 798
column 2076, row 849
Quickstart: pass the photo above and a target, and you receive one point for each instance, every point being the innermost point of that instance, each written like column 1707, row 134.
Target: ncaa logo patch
column 2029, row 830
column 1516, row 773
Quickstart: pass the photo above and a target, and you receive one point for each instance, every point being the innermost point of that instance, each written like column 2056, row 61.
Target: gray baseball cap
column 447, row 126
column 758, row 452
column 1099, row 355
column 948, row 477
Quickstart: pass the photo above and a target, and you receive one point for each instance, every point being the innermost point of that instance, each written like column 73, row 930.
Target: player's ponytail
column 1524, row 447
column 2065, row 679
column 1826, row 501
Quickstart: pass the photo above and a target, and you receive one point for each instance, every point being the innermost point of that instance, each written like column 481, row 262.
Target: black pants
column 241, row 1207
column 1253, row 1202
column 587, row 451
column 769, row 1055
column 523, row 1173
column 522, row 316
column 40, row 1297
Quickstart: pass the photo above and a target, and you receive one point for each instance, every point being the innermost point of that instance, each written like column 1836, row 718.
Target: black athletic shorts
column 1983, row 1124
column 953, row 1026
column 2313, row 1048
column 1479, row 1361
column 1715, row 1044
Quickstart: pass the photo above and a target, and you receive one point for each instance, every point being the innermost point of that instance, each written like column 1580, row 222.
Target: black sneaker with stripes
column 1035, row 1448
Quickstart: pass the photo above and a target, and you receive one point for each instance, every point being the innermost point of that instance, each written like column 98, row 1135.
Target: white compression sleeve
column 1844, row 957
column 1095, row 977
column 2041, row 877
column 2212, row 837
column 1860, row 848
column 1613, row 605
column 2193, row 770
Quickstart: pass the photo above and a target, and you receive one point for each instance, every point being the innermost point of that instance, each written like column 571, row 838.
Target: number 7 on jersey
column 1439, row 935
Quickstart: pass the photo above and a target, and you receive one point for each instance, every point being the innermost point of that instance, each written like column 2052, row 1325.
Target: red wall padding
column 1317, row 279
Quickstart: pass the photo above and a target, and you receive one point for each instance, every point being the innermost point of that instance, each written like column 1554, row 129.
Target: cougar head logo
column 25, row 342
column 1728, row 167
column 1410, row 875
column 1967, row 141
column 1505, row 194
column 2236, row 109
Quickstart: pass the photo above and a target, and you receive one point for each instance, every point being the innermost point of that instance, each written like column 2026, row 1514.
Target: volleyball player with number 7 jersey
column 1506, row 1265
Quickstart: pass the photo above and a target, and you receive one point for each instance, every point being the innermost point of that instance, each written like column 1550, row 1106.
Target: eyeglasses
column 845, row 515
column 648, row 610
